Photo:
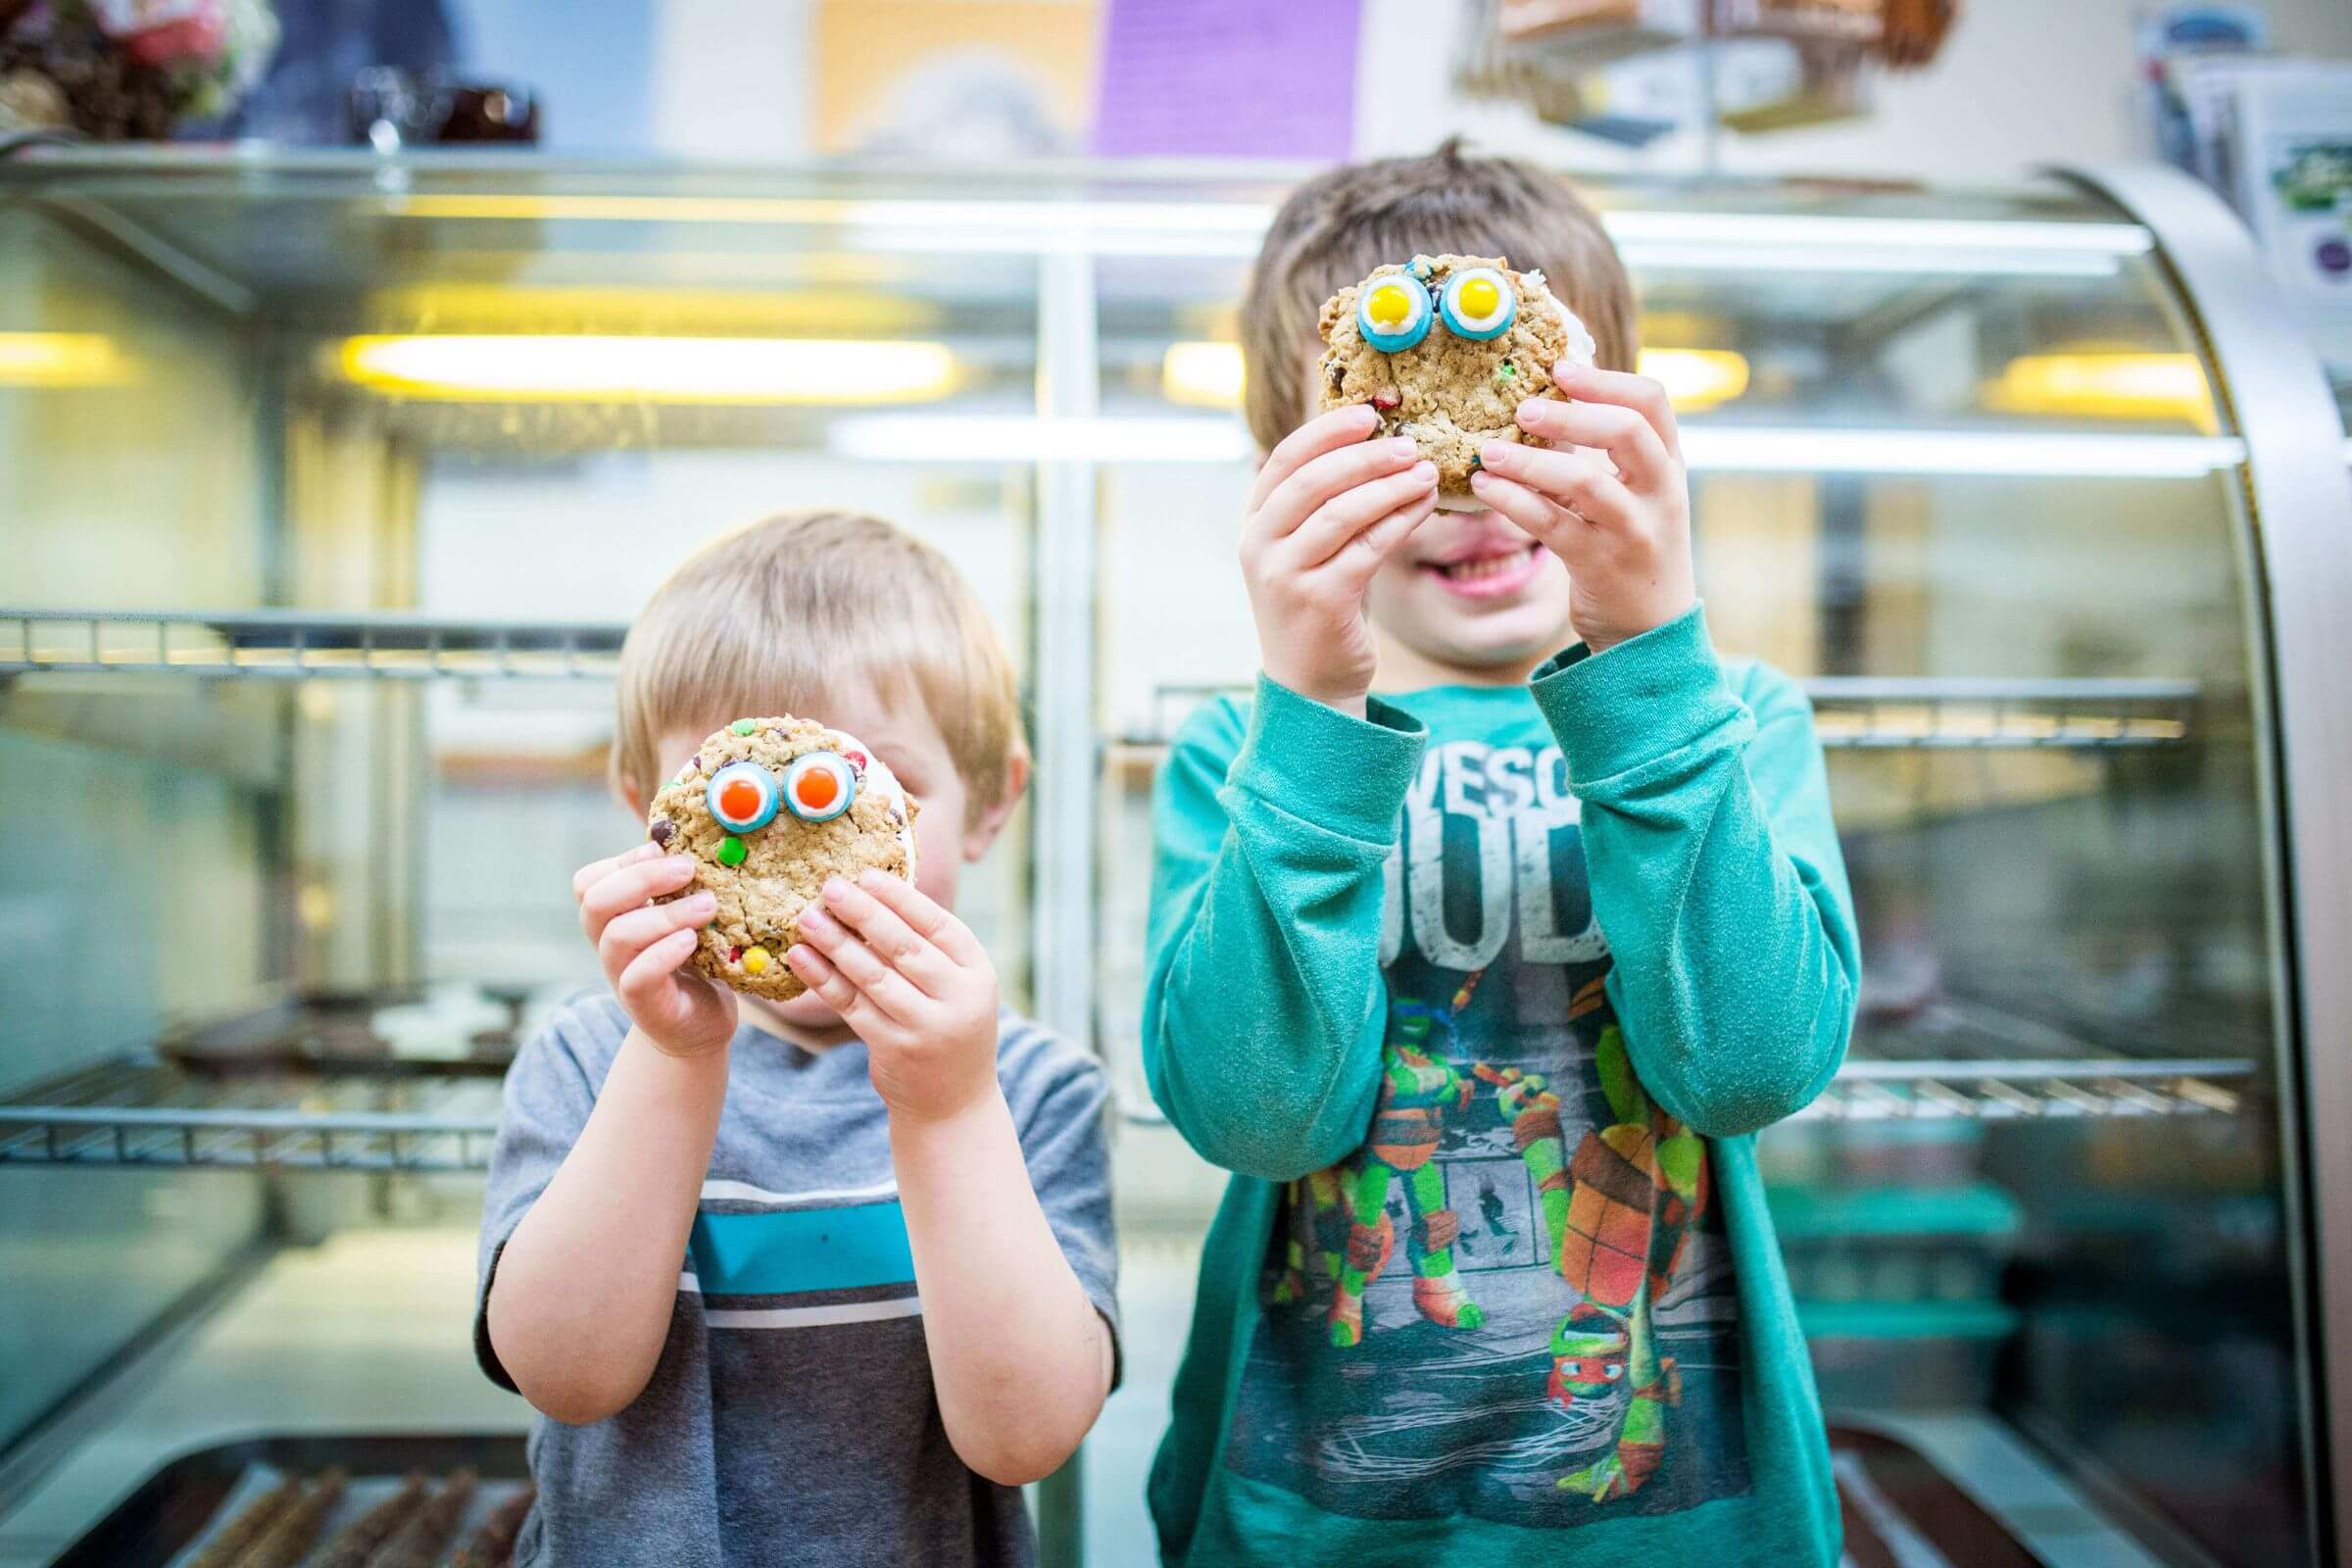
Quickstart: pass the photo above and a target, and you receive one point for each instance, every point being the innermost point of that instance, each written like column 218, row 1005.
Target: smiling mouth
column 1488, row 575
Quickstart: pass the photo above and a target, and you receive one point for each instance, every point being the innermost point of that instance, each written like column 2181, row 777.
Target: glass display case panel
column 1959, row 468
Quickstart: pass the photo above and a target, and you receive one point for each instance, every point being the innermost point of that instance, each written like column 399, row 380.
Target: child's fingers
column 893, row 994
column 625, row 889
column 1334, row 474
column 1365, row 554
column 924, row 915
column 1318, row 435
column 1537, row 514
column 641, row 982
column 897, row 942
column 594, row 871
column 1347, row 516
column 626, row 935
column 1645, row 395
column 1623, row 433
column 832, row 987
column 1571, row 479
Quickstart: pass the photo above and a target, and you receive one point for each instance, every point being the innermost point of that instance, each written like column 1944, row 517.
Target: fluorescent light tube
column 531, row 367
column 1753, row 449
column 1026, row 438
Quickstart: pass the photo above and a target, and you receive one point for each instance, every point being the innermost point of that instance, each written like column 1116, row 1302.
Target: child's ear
column 991, row 822
column 623, row 788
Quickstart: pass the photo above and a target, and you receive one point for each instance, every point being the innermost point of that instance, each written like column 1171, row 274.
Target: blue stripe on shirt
column 779, row 1252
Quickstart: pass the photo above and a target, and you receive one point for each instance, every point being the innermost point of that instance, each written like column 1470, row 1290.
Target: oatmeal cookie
column 1444, row 348
column 771, row 808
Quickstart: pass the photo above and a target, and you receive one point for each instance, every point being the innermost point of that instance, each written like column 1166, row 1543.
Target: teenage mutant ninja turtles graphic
column 1616, row 1217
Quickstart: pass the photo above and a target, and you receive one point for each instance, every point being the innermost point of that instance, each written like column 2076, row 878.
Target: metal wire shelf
column 1852, row 712
column 299, row 645
column 1961, row 1089
column 138, row 1112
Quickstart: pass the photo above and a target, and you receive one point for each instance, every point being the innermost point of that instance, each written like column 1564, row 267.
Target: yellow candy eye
column 1478, row 304
column 1393, row 313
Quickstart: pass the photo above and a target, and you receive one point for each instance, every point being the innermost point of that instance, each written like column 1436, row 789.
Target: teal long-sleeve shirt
column 1480, row 998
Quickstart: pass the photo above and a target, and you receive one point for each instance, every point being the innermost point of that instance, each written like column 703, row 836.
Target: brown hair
column 1339, row 225
column 769, row 618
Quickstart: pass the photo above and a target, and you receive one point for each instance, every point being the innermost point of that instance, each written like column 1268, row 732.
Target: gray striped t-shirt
column 790, row 1419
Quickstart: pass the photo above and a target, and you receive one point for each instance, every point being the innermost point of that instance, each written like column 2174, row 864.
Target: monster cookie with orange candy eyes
column 1446, row 348
column 771, row 807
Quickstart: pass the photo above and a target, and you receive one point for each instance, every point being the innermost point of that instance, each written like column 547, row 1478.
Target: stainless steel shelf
column 1986, row 1091
column 1849, row 712
column 299, row 645
column 136, row 1113
column 1900, row 712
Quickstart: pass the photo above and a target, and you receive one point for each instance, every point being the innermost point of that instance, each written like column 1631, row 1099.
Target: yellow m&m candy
column 755, row 961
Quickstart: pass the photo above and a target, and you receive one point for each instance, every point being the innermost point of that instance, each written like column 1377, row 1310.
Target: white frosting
column 879, row 778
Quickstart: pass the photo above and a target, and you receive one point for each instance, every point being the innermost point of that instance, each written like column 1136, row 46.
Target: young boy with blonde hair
column 1482, row 985
column 821, row 1280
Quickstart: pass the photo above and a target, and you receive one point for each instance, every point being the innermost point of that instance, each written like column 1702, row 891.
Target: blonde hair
column 771, row 618
column 1339, row 225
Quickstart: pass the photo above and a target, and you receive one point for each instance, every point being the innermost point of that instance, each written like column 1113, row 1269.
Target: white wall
column 2020, row 82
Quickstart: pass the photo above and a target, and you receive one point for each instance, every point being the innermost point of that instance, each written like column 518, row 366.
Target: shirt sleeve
column 1060, row 1108
column 1715, row 871
column 546, row 1101
column 1265, row 1003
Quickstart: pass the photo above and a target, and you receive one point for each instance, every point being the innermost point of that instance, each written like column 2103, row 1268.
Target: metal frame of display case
column 2297, row 564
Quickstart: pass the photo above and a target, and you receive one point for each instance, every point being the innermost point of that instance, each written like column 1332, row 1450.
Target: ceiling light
column 1696, row 379
column 2106, row 385
column 1756, row 449
column 1026, row 438
column 1205, row 375
column 556, row 368
column 61, row 359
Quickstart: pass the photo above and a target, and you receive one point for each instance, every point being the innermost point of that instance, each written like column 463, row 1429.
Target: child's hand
column 1328, row 508
column 913, row 983
column 1625, row 533
column 642, row 946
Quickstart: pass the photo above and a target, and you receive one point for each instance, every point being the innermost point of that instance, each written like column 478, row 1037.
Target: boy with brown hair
column 817, row 1281
column 1482, row 985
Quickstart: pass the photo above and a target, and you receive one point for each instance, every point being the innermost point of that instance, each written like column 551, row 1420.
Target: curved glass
column 1957, row 462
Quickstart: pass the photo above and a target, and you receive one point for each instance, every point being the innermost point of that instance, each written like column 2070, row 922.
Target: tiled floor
column 378, row 1322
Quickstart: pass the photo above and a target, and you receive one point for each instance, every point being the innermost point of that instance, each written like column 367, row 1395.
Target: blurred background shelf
column 1875, row 713
column 297, row 645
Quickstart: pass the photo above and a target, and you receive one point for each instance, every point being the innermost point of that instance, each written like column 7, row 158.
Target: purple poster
column 1228, row 78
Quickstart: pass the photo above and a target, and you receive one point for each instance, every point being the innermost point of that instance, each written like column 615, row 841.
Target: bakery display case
column 333, row 479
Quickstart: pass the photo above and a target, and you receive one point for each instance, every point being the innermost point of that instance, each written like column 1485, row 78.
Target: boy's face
column 1470, row 592
column 904, row 736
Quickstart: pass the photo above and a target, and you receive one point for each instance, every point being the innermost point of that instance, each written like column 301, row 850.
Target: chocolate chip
column 661, row 830
column 1338, row 376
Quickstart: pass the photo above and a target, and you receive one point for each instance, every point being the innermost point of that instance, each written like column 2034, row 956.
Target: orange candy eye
column 742, row 797
column 739, row 798
column 818, row 786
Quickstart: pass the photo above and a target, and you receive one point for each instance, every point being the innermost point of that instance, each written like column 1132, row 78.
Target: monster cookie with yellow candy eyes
column 771, row 808
column 1446, row 348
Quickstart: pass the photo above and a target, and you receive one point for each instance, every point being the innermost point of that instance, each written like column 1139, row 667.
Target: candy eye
column 819, row 786
column 1393, row 312
column 1479, row 304
column 742, row 797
